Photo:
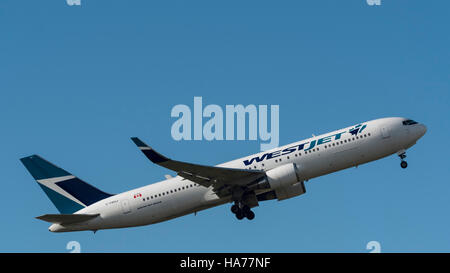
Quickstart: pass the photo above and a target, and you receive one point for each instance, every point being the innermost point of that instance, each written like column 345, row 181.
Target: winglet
column 151, row 154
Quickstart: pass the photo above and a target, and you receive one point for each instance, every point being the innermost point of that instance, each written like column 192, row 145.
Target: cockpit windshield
column 409, row 122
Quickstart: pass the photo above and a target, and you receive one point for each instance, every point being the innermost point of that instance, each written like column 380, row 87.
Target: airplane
column 276, row 174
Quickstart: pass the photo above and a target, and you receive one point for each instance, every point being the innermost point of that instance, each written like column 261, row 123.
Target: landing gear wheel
column 234, row 209
column 242, row 211
column 250, row 215
column 404, row 164
column 246, row 209
column 240, row 214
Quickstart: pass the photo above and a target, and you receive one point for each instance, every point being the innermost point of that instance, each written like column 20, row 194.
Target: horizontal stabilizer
column 66, row 219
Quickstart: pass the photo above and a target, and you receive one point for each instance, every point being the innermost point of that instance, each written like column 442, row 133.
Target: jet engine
column 286, row 182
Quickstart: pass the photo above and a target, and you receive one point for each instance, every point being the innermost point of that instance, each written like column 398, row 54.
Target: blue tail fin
column 67, row 192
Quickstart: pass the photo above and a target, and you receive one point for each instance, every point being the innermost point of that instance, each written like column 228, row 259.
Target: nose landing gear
column 402, row 155
column 404, row 164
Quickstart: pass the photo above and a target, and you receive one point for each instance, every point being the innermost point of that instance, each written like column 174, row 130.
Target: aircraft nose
column 422, row 129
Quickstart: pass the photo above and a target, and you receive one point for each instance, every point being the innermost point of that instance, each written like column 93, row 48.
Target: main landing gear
column 241, row 211
column 403, row 163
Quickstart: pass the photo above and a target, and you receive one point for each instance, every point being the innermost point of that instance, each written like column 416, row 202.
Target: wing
column 219, row 178
column 66, row 219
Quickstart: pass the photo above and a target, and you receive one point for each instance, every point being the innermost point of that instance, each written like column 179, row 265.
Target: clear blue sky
column 77, row 82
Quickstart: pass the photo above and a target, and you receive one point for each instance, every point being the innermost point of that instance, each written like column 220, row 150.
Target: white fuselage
column 177, row 196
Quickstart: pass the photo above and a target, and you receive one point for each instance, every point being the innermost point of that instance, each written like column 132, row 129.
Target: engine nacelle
column 286, row 181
